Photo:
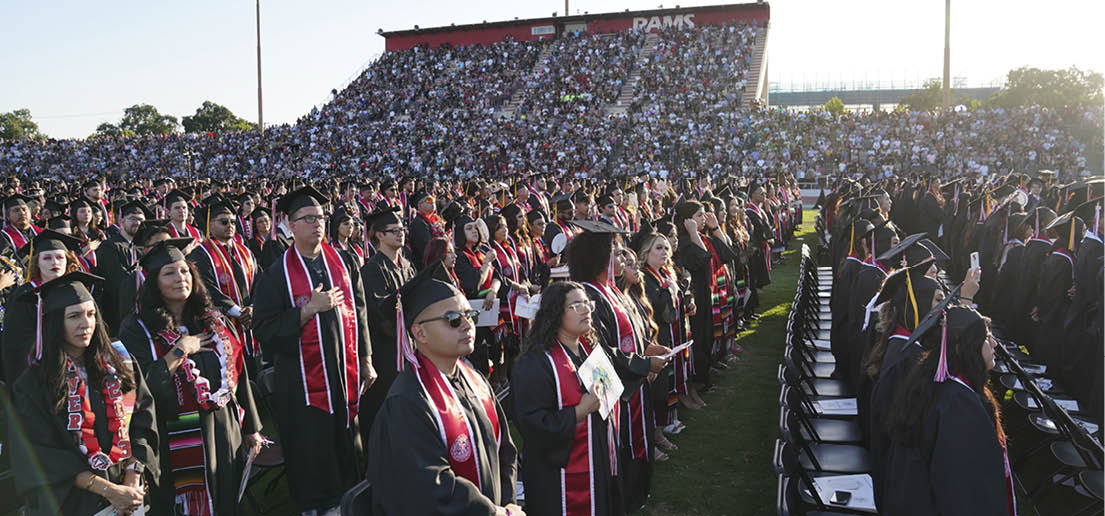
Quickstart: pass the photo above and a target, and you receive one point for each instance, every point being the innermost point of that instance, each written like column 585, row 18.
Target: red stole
column 475, row 258
column 221, row 263
column 566, row 228
column 456, row 430
column 577, row 480
column 683, row 361
column 190, row 230
column 16, row 236
column 435, row 223
column 312, row 358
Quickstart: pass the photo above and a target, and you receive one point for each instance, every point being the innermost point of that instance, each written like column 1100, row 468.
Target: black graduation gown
column 1023, row 328
column 45, row 460
column 929, row 215
column 696, row 261
column 274, row 248
column 420, row 235
column 868, row 281
column 114, row 261
column 632, row 368
column 18, row 337
column 548, row 436
column 759, row 231
column 897, row 362
column 841, row 305
column 1087, row 263
column 1052, row 304
column 410, row 471
column 1007, row 285
column 469, row 277
column 207, row 271
column 956, row 470
column 256, row 246
column 382, row 279
column 219, row 428
column 320, row 450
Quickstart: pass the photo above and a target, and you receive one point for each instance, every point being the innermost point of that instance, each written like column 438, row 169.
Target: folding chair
column 357, row 500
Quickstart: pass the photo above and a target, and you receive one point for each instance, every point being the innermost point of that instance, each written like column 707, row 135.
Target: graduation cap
column 429, row 286
column 598, row 227
column 258, row 212
column 175, row 196
column 1090, row 212
column 937, row 253
column 957, row 320
column 16, row 199
column 91, row 183
column 452, row 211
column 933, row 316
column 1068, row 226
column 50, row 240
column 163, row 253
column 58, row 294
column 909, row 284
column 379, row 219
column 419, row 196
column 562, row 202
column 604, row 200
column 149, row 228
column 135, row 207
column 55, row 206
column 58, row 222
column 301, row 198
column 906, row 243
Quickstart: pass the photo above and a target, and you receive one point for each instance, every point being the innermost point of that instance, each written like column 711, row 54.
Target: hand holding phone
column 974, row 260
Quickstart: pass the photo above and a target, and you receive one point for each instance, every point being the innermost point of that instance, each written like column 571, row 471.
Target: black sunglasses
column 454, row 318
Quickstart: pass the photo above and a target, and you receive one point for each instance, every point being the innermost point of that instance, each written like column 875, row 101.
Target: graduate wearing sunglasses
column 440, row 434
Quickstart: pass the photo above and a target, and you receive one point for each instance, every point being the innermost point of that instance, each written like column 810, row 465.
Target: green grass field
column 723, row 464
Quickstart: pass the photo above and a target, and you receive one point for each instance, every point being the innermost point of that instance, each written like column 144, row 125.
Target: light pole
column 947, row 52
column 260, row 105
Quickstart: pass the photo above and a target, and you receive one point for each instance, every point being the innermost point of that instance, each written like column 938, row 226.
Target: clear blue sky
column 76, row 64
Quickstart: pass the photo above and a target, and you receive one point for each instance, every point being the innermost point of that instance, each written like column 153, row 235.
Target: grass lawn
column 723, row 464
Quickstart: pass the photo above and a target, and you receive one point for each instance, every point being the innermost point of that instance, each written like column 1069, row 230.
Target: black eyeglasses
column 225, row 222
column 454, row 318
column 396, row 231
column 311, row 219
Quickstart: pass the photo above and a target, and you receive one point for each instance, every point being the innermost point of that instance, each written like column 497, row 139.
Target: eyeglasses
column 395, row 231
column 454, row 318
column 311, row 219
column 225, row 222
column 582, row 307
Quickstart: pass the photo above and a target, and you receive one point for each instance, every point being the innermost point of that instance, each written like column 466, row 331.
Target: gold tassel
column 912, row 300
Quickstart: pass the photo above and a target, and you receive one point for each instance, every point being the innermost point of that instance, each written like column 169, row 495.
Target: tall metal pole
column 566, row 13
column 260, row 105
column 947, row 53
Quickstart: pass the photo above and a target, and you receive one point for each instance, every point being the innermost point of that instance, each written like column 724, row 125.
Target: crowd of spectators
column 435, row 111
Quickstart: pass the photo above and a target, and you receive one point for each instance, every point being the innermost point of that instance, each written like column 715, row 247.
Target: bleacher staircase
column 756, row 87
column 629, row 89
column 507, row 111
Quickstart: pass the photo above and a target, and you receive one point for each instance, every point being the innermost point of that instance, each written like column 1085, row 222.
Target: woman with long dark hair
column 85, row 436
column 569, row 451
column 593, row 257
column 478, row 279
column 54, row 255
column 948, row 453
column 508, row 264
column 194, row 366
column 703, row 254
column 342, row 229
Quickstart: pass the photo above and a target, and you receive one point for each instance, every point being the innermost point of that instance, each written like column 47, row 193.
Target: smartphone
column 840, row 498
column 974, row 260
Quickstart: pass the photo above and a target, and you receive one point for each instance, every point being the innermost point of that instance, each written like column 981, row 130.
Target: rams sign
column 679, row 21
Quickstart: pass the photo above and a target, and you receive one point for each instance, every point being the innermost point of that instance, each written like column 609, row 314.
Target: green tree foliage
column 18, row 124
column 835, row 106
column 212, row 117
column 143, row 119
column 1050, row 88
column 111, row 130
column 931, row 98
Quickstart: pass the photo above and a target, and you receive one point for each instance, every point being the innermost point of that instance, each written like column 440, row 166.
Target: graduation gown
column 115, row 259
column 241, row 271
column 45, row 459
column 841, row 305
column 382, row 279
column 1024, row 328
column 696, row 261
column 897, row 362
column 319, row 447
column 421, row 232
column 274, row 248
column 929, row 215
column 759, row 254
column 957, row 468
column 1007, row 285
column 549, row 438
column 410, row 471
column 1052, row 304
column 220, row 429
column 868, row 281
column 18, row 337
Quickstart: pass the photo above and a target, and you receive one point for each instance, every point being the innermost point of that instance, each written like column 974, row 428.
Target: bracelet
column 91, row 479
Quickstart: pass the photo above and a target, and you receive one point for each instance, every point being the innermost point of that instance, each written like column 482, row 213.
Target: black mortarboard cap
column 259, row 212
column 937, row 253
column 301, row 198
column 65, row 291
column 176, row 195
column 50, row 240
column 148, row 228
column 163, row 253
column 604, row 200
column 896, row 251
column 135, row 207
column 380, row 218
column 14, row 200
column 452, row 211
column 598, row 227
column 932, row 318
column 429, row 286
column 58, row 222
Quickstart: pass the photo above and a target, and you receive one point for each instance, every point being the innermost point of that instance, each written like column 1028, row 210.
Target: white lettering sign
column 542, row 29
column 679, row 21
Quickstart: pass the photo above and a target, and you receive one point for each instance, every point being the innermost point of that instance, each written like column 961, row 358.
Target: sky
column 76, row 64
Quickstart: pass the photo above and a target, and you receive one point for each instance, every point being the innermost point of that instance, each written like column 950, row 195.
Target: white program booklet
column 859, row 486
column 527, row 306
column 487, row 317
column 600, row 379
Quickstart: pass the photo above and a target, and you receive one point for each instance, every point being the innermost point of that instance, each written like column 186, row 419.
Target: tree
column 110, row 130
column 931, row 98
column 18, row 124
column 835, row 106
column 212, row 117
column 144, row 119
column 1027, row 86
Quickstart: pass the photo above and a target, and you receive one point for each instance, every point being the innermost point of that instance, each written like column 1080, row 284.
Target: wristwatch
column 137, row 467
column 179, row 353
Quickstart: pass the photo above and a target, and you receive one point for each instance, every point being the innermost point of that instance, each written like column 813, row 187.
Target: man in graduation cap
column 425, row 225
column 125, row 292
column 383, row 274
column 18, row 229
column 228, row 269
column 562, row 220
column 178, row 204
column 441, row 444
column 608, row 211
column 116, row 257
column 93, row 191
column 309, row 318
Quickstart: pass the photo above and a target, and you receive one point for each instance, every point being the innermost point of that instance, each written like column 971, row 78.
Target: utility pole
column 260, row 105
column 947, row 53
column 566, row 12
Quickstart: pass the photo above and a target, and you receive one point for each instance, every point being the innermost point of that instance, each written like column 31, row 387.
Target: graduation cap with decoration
column 429, row 286
column 1090, row 212
column 58, row 294
column 934, row 316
